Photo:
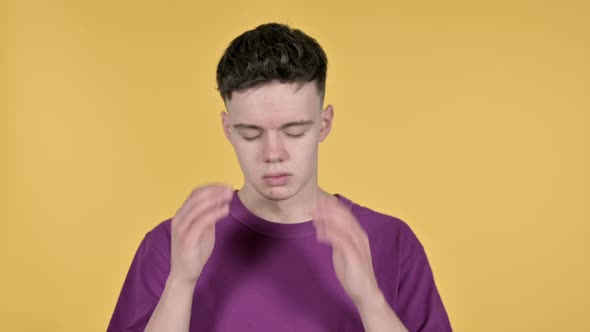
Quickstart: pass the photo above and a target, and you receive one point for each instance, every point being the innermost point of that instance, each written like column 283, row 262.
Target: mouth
column 275, row 175
column 276, row 179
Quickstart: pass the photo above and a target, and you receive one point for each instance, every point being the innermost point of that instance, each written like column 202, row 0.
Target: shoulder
column 161, row 229
column 381, row 227
column 157, row 239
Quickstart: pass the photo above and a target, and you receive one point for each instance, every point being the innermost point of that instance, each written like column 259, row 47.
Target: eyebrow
column 286, row 125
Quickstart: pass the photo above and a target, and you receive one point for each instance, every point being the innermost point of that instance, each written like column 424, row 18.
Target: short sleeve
column 143, row 285
column 419, row 305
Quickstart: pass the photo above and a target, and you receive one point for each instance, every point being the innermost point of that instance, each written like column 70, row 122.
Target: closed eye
column 295, row 135
column 291, row 135
column 253, row 138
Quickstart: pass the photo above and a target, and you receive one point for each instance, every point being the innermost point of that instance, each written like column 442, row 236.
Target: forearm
column 173, row 312
column 377, row 316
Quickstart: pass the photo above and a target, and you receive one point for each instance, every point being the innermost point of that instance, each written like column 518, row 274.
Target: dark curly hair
column 269, row 52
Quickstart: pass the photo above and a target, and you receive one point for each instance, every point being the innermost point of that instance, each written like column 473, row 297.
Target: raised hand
column 193, row 231
column 351, row 253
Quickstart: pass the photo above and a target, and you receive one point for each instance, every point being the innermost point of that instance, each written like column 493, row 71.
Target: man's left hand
column 351, row 254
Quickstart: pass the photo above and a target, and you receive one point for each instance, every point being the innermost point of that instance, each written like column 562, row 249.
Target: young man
column 280, row 253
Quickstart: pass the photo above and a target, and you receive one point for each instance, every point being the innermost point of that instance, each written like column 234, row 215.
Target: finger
column 202, row 193
column 319, row 225
column 335, row 212
column 200, row 212
column 320, row 230
column 215, row 199
column 321, row 219
column 331, row 231
column 209, row 191
column 343, row 243
column 206, row 220
column 336, row 216
column 193, row 199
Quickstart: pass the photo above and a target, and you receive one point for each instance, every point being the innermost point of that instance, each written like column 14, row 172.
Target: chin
column 277, row 193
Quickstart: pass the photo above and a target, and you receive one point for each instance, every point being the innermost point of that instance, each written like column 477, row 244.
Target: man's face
column 275, row 130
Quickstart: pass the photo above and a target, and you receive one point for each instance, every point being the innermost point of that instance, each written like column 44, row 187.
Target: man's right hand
column 193, row 231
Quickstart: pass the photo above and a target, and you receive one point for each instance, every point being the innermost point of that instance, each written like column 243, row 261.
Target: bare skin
column 193, row 239
column 274, row 128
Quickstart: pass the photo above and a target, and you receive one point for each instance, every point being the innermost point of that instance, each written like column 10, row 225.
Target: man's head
column 272, row 80
column 271, row 52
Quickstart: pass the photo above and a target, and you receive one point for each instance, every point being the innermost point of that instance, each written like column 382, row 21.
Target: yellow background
column 469, row 120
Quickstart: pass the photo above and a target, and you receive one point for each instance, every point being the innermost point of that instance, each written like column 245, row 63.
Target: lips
column 276, row 179
column 275, row 175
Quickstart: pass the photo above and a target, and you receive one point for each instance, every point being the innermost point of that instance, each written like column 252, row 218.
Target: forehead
column 272, row 104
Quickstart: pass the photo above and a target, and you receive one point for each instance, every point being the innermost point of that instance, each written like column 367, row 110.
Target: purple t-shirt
column 267, row 276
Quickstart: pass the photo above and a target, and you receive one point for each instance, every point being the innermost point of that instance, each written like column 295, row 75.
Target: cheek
column 305, row 152
column 246, row 153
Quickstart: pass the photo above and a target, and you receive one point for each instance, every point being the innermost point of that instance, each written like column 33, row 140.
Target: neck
column 295, row 209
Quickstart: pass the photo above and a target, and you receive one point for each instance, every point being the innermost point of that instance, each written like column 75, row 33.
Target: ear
column 327, row 117
column 226, row 123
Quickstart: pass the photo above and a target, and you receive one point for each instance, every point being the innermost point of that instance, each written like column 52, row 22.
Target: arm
column 158, row 291
column 173, row 311
column 353, row 265
column 192, row 241
column 418, row 304
column 377, row 316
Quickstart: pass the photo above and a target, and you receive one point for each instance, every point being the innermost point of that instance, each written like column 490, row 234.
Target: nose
column 274, row 149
